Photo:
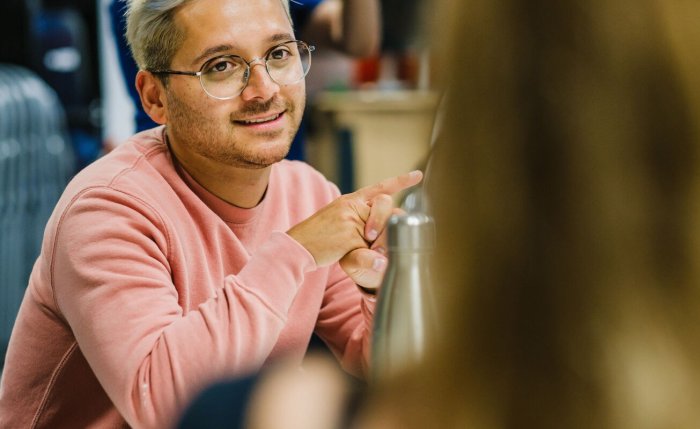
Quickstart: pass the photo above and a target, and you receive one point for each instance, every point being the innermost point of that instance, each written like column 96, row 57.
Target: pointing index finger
column 391, row 185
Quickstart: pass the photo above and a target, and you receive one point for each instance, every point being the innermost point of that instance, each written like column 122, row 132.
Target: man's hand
column 351, row 222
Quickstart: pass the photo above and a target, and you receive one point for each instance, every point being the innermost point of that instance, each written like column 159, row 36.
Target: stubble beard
column 198, row 133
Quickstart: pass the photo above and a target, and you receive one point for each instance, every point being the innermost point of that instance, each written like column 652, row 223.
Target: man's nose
column 260, row 84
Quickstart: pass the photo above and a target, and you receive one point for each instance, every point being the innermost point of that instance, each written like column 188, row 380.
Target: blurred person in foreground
column 195, row 252
column 565, row 193
column 566, row 196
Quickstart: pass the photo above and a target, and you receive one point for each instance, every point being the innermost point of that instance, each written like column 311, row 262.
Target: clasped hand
column 351, row 229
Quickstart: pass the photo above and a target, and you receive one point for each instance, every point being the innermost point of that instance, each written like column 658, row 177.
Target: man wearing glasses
column 194, row 252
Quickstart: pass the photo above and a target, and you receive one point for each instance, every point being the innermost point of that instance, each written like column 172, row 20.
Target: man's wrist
column 370, row 293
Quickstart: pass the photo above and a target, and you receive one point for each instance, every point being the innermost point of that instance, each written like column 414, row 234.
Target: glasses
column 226, row 76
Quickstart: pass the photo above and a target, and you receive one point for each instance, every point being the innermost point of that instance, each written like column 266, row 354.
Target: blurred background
column 64, row 103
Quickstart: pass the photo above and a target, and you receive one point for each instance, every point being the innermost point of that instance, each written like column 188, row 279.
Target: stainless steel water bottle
column 404, row 316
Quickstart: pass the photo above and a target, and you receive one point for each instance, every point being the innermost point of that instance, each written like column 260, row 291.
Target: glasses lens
column 289, row 63
column 224, row 77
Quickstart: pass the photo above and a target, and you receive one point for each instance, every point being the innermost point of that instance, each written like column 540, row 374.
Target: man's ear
column 153, row 99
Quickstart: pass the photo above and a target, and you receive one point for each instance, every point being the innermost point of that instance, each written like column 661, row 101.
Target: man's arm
column 351, row 231
column 351, row 228
column 344, row 322
column 350, row 26
column 114, row 274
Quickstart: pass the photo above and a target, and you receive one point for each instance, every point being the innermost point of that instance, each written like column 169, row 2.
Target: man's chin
column 257, row 164
column 261, row 160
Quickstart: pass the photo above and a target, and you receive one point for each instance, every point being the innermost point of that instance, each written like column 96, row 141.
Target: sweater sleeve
column 345, row 318
column 345, row 322
column 112, row 282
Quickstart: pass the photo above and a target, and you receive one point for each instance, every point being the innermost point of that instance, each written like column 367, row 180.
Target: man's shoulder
column 132, row 166
column 300, row 177
column 299, row 170
column 127, row 155
column 288, row 166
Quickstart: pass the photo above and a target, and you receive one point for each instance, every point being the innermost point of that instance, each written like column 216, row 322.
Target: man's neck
column 242, row 187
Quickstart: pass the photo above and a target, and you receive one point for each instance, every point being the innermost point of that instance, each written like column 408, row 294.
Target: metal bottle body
column 404, row 316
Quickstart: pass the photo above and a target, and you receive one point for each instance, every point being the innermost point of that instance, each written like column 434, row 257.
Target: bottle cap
column 411, row 231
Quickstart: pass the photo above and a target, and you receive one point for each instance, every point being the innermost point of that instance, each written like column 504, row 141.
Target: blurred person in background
column 349, row 26
column 195, row 252
column 352, row 27
column 565, row 191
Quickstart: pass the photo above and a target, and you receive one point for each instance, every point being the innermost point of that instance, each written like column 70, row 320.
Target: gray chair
column 36, row 162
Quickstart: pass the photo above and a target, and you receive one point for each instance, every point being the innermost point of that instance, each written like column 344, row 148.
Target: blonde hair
column 152, row 34
column 565, row 194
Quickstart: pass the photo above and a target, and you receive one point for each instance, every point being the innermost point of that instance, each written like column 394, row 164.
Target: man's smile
column 259, row 120
column 266, row 122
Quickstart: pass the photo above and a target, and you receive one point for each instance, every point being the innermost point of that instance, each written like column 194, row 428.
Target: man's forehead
column 240, row 24
column 238, row 12
column 254, row 17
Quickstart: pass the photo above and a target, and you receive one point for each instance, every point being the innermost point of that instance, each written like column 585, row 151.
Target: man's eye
column 280, row 53
column 221, row 66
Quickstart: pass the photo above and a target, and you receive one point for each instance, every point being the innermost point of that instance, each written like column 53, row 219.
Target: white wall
column 117, row 108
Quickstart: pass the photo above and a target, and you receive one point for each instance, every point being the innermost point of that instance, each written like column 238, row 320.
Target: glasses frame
column 249, row 65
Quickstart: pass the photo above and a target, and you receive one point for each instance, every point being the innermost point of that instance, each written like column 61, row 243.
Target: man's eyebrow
column 211, row 51
column 279, row 37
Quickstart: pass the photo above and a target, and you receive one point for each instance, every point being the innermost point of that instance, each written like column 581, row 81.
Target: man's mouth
column 260, row 120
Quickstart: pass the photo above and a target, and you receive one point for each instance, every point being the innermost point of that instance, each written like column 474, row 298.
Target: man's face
column 254, row 129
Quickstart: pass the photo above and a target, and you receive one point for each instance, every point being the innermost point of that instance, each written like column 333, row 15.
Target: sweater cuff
column 369, row 294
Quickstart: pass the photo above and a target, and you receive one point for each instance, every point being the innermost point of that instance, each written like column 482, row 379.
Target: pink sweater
column 148, row 288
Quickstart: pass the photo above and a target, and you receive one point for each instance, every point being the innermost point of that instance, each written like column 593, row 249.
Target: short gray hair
column 152, row 34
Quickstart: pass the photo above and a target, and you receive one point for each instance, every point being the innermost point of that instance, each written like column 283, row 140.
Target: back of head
column 563, row 190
